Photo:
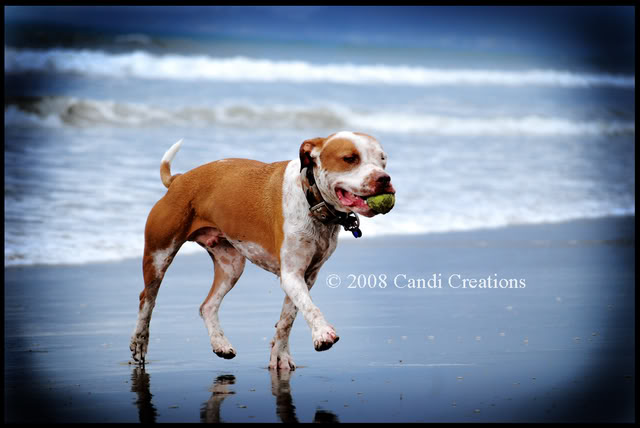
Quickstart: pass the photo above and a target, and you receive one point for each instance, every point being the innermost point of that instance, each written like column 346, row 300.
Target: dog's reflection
column 286, row 411
column 220, row 390
column 210, row 411
column 281, row 389
column 140, row 385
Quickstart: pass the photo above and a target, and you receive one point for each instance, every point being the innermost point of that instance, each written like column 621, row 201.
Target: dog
column 284, row 217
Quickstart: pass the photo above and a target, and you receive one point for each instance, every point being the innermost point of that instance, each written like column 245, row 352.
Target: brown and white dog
column 241, row 209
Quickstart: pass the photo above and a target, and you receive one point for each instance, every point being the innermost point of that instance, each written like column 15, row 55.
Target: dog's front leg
column 293, row 283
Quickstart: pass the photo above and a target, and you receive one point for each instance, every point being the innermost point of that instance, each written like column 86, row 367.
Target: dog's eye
column 351, row 159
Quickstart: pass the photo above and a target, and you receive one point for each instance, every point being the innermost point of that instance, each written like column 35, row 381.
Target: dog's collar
column 323, row 211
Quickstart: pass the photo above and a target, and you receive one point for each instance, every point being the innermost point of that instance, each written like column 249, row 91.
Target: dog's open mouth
column 349, row 199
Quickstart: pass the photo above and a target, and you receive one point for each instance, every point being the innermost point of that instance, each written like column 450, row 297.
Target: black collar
column 321, row 210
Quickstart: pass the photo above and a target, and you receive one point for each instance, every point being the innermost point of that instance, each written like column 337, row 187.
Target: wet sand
column 560, row 349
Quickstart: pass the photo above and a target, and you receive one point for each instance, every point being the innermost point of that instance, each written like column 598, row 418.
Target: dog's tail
column 165, row 165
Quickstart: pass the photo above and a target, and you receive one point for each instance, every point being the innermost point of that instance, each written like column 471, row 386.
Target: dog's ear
column 306, row 158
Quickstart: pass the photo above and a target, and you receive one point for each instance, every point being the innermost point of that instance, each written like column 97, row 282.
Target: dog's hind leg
column 164, row 235
column 155, row 264
column 228, row 265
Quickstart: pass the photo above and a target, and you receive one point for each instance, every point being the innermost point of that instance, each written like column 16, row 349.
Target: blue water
column 496, row 125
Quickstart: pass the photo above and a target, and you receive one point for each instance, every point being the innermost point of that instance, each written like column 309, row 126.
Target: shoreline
column 622, row 226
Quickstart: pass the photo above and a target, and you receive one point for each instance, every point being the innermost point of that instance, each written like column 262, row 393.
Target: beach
column 560, row 348
column 500, row 288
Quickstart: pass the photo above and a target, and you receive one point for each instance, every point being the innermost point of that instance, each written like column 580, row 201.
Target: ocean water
column 475, row 139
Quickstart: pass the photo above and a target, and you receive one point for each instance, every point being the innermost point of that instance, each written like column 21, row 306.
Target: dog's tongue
column 348, row 199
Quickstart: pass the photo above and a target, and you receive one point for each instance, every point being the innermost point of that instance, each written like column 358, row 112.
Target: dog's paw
column 282, row 363
column 222, row 348
column 324, row 338
column 281, row 360
column 138, row 347
column 227, row 354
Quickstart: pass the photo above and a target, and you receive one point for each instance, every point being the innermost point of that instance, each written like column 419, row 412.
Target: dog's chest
column 324, row 247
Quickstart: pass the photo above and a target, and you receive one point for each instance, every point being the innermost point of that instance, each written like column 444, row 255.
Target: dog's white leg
column 140, row 337
column 228, row 266
column 322, row 333
column 280, row 355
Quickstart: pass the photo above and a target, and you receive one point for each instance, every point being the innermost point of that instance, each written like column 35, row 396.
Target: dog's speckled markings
column 240, row 209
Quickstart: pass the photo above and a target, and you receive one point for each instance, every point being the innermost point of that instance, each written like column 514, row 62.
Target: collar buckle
column 320, row 210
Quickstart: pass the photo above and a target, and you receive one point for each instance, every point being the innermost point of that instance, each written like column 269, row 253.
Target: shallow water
column 560, row 349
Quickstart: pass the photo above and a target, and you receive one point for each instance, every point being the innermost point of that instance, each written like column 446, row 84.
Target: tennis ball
column 381, row 203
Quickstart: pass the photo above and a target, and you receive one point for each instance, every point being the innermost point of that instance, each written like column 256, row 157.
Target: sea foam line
column 75, row 112
column 144, row 65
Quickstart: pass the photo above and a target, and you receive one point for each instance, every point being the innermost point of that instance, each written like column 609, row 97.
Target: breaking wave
column 75, row 112
column 144, row 65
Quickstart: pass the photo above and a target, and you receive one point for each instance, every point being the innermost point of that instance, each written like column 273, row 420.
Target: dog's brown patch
column 242, row 198
column 339, row 155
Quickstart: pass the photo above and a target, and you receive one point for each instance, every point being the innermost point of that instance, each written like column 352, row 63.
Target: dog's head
column 348, row 168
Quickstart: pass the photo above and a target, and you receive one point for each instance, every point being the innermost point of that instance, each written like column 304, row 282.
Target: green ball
column 382, row 203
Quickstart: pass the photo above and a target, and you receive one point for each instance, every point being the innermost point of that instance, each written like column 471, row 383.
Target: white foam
column 408, row 224
column 144, row 65
column 531, row 125
column 62, row 111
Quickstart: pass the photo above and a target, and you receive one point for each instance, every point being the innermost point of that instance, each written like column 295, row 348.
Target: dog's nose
column 383, row 183
column 384, row 179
